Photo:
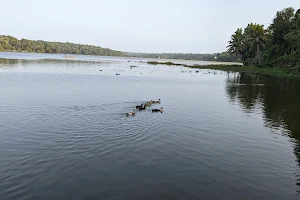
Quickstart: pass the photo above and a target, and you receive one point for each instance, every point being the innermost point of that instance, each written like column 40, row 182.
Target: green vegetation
column 271, row 71
column 9, row 43
column 275, row 46
column 163, row 63
column 273, row 51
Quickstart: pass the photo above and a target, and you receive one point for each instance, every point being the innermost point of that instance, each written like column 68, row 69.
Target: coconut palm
column 294, row 35
column 255, row 34
column 236, row 43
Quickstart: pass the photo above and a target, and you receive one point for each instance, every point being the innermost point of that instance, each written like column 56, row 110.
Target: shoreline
column 279, row 72
column 123, row 57
column 269, row 71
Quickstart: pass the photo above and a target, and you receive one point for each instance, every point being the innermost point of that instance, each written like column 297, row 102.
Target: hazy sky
column 194, row 26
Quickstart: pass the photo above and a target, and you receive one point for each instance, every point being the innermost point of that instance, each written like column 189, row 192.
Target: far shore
column 74, row 57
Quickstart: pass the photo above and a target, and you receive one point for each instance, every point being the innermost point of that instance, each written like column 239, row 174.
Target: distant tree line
column 222, row 57
column 276, row 45
column 9, row 43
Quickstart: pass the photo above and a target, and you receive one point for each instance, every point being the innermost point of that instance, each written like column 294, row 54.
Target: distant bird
column 137, row 107
column 158, row 101
column 158, row 110
column 118, row 74
column 142, row 107
column 130, row 113
column 149, row 103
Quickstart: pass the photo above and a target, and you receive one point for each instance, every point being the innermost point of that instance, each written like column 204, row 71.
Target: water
column 64, row 133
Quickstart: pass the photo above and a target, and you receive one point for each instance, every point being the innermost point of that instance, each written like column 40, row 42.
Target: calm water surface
column 64, row 133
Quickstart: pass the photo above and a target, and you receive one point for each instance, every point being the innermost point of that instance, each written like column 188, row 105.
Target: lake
column 64, row 133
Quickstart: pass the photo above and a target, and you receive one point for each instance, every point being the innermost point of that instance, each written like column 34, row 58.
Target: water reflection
column 277, row 99
column 13, row 62
column 8, row 62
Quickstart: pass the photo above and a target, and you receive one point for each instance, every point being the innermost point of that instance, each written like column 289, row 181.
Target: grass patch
column 271, row 71
column 163, row 63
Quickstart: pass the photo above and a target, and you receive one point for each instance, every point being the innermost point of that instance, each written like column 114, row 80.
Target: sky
column 174, row 26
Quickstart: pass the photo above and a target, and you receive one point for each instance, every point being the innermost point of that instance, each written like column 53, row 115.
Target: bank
column 287, row 72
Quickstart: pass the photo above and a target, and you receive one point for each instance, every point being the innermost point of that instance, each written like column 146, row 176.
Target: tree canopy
column 277, row 45
column 9, row 43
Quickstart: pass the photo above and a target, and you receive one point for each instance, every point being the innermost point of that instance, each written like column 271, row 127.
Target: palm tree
column 236, row 43
column 256, row 36
column 294, row 35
